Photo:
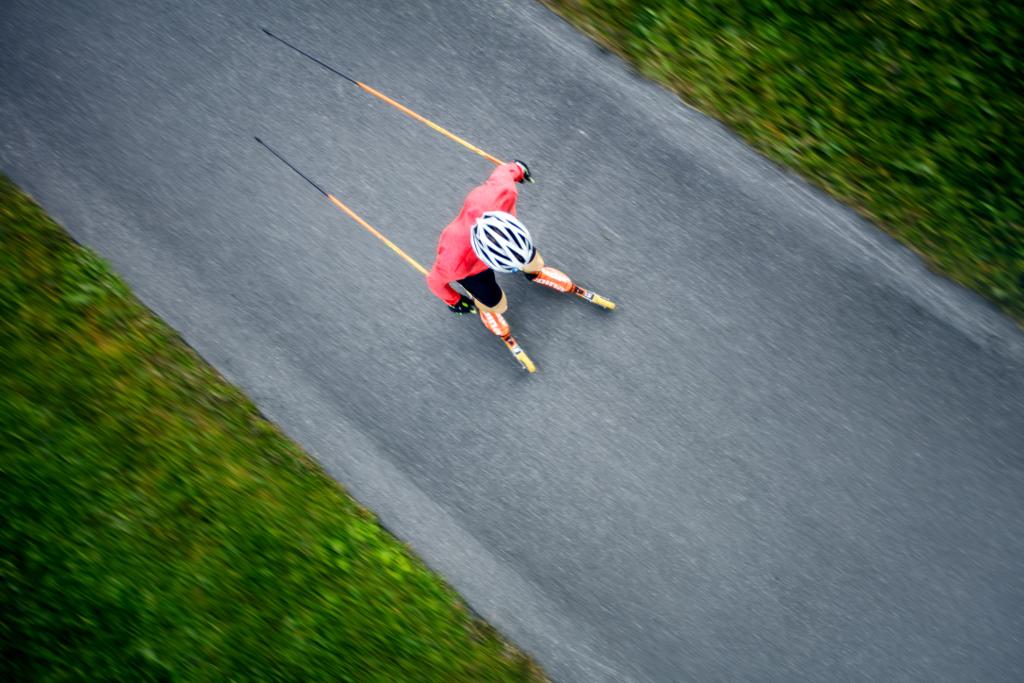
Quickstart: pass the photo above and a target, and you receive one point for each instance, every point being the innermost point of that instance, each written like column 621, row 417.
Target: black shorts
column 483, row 287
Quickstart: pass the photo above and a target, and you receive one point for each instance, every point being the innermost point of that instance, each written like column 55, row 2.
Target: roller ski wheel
column 593, row 297
column 517, row 352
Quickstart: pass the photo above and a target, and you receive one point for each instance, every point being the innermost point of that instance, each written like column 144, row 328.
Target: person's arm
column 440, row 287
column 499, row 193
column 508, row 173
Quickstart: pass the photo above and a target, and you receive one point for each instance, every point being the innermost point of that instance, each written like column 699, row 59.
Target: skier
column 486, row 237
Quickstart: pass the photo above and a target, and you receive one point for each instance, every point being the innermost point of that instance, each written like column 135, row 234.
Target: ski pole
column 351, row 214
column 397, row 105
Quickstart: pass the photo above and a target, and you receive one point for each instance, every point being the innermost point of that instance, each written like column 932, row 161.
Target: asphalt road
column 791, row 454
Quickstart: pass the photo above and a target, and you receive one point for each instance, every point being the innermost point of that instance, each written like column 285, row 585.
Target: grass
column 913, row 112
column 156, row 527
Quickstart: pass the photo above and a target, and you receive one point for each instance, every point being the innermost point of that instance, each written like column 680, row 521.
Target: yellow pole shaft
column 373, row 231
column 448, row 134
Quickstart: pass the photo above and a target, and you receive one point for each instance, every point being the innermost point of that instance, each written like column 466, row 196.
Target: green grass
column 913, row 112
column 155, row 527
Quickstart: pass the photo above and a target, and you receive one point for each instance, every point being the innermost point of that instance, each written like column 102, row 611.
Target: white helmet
column 501, row 241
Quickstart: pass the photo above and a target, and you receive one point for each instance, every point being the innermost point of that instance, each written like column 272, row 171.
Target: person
column 486, row 237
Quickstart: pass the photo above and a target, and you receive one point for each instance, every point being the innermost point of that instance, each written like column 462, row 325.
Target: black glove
column 463, row 305
column 527, row 176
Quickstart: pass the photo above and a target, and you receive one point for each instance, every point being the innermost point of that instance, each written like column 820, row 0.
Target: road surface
column 791, row 454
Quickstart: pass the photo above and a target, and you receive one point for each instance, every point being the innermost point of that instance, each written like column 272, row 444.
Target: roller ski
column 517, row 352
column 560, row 282
column 594, row 298
column 496, row 325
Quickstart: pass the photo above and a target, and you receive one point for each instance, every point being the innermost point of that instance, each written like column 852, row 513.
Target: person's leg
column 538, row 273
column 499, row 307
column 490, row 300
column 486, row 293
column 494, row 322
column 535, row 265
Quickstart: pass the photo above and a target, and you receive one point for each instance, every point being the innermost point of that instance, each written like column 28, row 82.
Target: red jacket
column 455, row 258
